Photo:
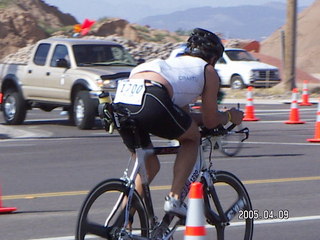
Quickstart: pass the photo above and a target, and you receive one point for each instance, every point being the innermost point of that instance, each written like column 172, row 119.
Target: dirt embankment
column 308, row 39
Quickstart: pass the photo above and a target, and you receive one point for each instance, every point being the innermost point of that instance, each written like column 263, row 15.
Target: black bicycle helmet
column 204, row 44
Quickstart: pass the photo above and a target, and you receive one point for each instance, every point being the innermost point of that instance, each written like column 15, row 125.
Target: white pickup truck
column 238, row 69
column 68, row 73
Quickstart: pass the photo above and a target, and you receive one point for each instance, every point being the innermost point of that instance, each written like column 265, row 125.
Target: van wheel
column 14, row 108
column 237, row 82
column 83, row 110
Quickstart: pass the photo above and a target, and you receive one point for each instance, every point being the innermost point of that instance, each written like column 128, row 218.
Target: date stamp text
column 265, row 214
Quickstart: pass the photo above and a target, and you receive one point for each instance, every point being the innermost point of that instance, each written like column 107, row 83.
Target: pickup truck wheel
column 14, row 108
column 237, row 82
column 84, row 110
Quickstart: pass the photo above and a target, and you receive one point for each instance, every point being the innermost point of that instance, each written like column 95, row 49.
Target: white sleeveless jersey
column 185, row 74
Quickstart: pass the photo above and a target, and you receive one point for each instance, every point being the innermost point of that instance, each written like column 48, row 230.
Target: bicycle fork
column 222, row 219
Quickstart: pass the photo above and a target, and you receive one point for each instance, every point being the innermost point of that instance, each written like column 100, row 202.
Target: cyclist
column 158, row 94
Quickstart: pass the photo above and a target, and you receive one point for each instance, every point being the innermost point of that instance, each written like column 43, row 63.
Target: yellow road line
column 44, row 195
column 164, row 187
column 281, row 180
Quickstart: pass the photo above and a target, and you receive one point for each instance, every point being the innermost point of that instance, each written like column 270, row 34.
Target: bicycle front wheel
column 228, row 207
column 102, row 213
column 230, row 144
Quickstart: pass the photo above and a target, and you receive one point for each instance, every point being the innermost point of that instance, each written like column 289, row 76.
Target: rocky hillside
column 133, row 32
column 23, row 22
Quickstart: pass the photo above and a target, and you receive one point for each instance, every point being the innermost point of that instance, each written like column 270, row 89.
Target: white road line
column 292, row 219
column 257, row 143
column 309, row 120
column 283, row 110
column 281, row 143
column 257, row 222
column 61, row 238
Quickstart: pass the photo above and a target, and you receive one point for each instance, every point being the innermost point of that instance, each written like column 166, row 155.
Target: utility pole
column 290, row 46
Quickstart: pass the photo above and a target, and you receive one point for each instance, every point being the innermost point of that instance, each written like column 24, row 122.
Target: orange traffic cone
column 305, row 95
column 5, row 209
column 317, row 127
column 294, row 113
column 195, row 223
column 249, row 113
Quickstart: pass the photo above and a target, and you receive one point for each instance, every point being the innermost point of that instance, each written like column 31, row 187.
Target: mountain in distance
column 244, row 22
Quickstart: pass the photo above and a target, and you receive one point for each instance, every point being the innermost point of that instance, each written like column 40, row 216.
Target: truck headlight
column 112, row 84
column 255, row 74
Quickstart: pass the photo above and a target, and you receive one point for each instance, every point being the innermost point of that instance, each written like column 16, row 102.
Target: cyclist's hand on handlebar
column 236, row 116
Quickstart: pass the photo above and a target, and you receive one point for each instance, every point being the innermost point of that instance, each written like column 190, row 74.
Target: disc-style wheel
column 230, row 144
column 102, row 213
column 228, row 208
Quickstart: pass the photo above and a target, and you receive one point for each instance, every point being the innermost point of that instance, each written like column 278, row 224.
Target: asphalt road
column 47, row 167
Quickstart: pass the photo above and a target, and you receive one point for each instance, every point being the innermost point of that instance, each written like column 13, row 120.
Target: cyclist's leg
column 186, row 158
column 152, row 165
column 152, row 162
column 152, row 168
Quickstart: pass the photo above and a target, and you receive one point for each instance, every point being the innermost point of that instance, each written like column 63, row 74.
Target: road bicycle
column 115, row 210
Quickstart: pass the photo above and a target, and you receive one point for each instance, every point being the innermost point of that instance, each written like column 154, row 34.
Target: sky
column 134, row 10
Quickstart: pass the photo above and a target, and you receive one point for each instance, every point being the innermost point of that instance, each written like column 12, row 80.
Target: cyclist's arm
column 211, row 117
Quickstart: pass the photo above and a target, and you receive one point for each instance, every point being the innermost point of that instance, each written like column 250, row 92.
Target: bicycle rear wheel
column 230, row 144
column 225, row 202
column 102, row 213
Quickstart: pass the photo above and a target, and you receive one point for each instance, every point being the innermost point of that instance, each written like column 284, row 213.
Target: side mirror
column 222, row 61
column 62, row 63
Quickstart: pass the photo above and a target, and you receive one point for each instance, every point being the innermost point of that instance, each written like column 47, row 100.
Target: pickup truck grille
column 265, row 78
column 269, row 74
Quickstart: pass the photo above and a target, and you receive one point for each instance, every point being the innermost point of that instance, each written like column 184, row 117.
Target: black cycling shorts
column 157, row 115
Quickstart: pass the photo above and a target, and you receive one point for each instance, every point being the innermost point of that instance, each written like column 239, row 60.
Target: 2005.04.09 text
column 265, row 214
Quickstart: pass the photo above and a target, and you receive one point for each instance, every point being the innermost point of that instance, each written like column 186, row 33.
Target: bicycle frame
column 206, row 176
column 138, row 168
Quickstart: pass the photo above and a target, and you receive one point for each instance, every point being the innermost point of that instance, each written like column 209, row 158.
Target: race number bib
column 130, row 91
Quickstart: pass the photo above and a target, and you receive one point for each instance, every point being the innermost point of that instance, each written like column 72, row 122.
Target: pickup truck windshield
column 238, row 55
column 102, row 55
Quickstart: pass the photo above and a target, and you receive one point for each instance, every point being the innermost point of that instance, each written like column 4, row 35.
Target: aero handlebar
column 221, row 131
